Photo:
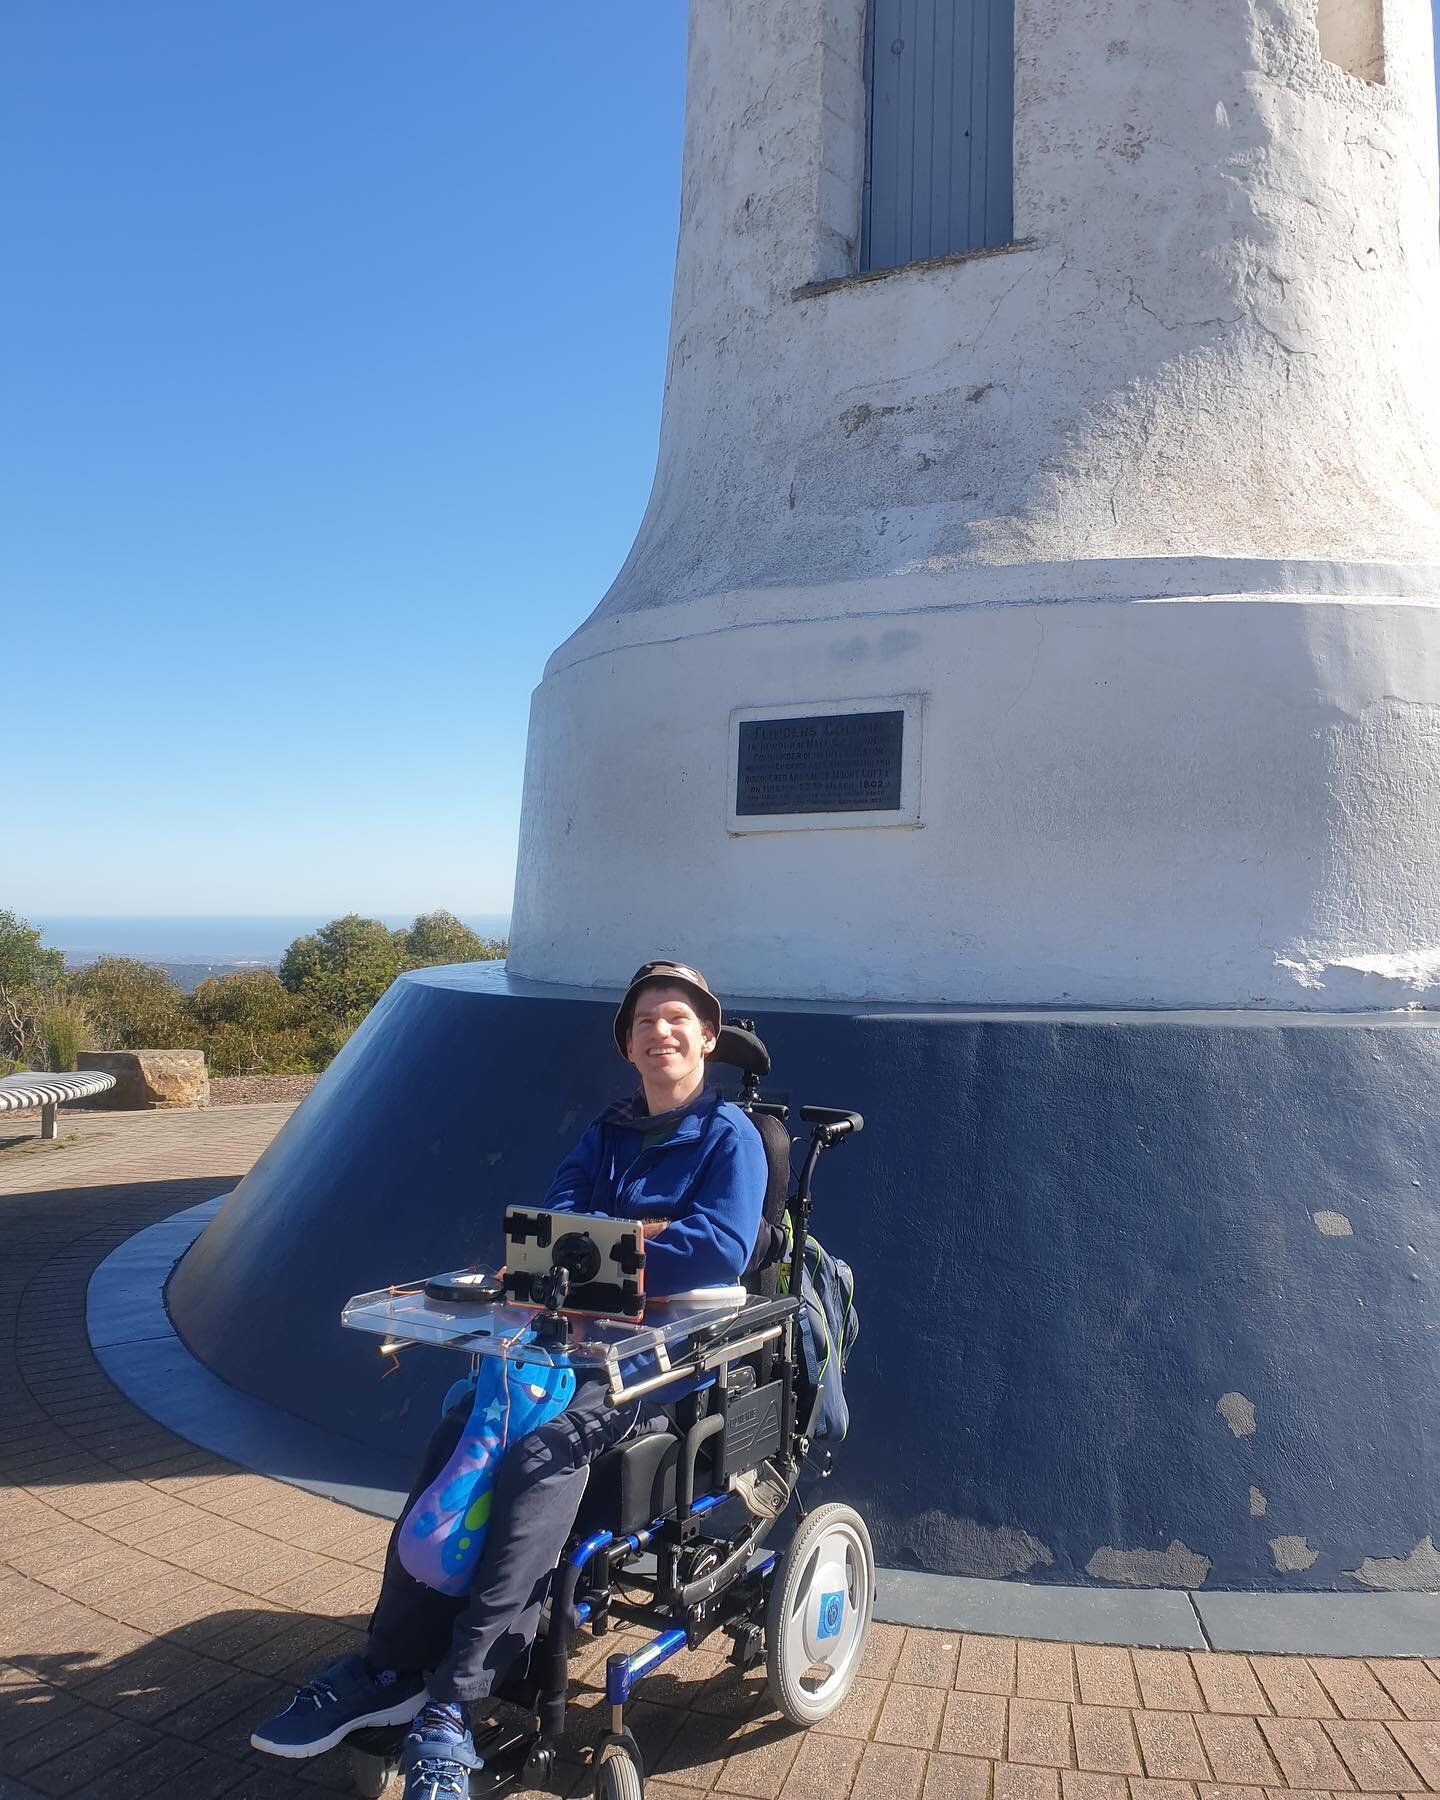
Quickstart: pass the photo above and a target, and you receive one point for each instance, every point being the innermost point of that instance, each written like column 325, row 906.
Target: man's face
column 668, row 1039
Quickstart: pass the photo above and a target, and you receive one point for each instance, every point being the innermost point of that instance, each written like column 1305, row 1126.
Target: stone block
column 151, row 1079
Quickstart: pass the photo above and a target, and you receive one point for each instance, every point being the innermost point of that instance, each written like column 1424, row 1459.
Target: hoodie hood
column 633, row 1115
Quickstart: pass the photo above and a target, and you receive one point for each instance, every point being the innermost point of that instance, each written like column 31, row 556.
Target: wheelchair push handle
column 836, row 1121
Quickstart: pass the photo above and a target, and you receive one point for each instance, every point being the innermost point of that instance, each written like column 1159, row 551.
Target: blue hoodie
column 702, row 1167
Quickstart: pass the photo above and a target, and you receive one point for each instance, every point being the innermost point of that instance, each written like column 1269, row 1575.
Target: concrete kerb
column 136, row 1344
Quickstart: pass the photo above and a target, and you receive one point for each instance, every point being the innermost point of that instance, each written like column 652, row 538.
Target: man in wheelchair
column 692, row 1168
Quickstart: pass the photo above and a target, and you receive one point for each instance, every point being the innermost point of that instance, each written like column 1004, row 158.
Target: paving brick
column 232, row 1695
column 823, row 1768
column 856, row 1714
column 953, row 1778
column 654, row 1727
column 911, row 1715
column 1220, row 1790
column 1228, row 1684
column 1013, row 1781
column 1354, row 1691
column 761, row 1759
column 732, row 1695
column 1145, row 1789
column 1371, row 1755
column 928, row 1658
column 987, row 1665
column 1169, row 1747
column 1044, row 1671
column 98, row 1757
column 1166, row 1681
column 1305, row 1755
column 161, row 1768
column 65, row 1723
column 153, row 1682
column 1105, row 1740
column 1039, row 1732
column 1412, row 1686
column 29, row 1705
column 888, row 1772
column 1237, row 1753
column 882, row 1651
column 1077, row 1784
column 1291, row 1688
column 1420, row 1740
column 695, row 1756
column 974, row 1726
column 1106, row 1676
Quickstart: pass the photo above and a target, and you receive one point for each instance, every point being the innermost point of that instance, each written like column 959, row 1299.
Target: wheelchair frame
column 689, row 1599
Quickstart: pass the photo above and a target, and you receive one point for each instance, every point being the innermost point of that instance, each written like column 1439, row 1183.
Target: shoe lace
column 442, row 1775
column 317, row 1692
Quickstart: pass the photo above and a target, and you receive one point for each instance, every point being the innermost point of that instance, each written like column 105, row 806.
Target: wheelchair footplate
column 513, row 1756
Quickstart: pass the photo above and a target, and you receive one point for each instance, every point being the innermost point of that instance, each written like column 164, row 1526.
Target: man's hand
column 653, row 1227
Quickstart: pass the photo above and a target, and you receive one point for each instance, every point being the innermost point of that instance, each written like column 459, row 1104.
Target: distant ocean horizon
column 216, row 939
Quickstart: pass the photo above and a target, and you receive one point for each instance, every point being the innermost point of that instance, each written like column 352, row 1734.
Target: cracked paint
column 1292, row 1555
column 1238, row 1413
column 960, row 1546
column 1178, row 1566
column 1402, row 1574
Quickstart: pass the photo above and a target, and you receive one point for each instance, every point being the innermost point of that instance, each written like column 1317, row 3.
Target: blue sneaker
column 341, row 1698
column 439, row 1755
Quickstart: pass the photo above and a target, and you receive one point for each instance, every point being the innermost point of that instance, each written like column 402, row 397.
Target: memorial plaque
column 821, row 763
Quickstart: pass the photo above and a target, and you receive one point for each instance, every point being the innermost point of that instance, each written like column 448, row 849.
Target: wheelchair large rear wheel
column 818, row 1615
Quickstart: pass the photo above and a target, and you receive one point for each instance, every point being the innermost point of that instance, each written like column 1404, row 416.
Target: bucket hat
column 669, row 974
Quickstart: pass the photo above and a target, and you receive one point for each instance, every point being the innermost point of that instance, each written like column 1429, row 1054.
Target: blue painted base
column 1145, row 1298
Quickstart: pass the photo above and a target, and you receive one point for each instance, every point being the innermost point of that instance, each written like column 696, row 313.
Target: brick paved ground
column 155, row 1599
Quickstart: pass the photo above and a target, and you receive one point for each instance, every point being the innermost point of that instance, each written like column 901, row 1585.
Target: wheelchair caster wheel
column 818, row 1614
column 372, row 1773
column 618, row 1777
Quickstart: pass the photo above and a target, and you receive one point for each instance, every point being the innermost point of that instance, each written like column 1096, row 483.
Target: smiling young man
column 692, row 1169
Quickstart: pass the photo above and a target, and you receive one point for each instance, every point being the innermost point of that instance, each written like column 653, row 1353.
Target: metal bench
column 49, row 1092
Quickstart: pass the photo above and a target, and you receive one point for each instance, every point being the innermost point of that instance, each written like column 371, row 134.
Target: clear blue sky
column 333, row 337
column 331, row 344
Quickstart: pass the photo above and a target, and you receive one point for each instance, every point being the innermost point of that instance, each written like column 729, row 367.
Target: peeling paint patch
column 938, row 1540
column 1238, row 1413
column 1258, row 1503
column 1179, row 1566
column 1402, row 1574
column 1292, row 1555
column 1332, row 1224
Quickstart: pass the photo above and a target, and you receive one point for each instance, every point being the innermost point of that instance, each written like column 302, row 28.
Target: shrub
column 252, row 1026
column 63, row 1029
column 133, row 1006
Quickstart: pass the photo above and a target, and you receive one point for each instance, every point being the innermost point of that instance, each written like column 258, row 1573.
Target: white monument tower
column 1125, row 496
column 1023, row 696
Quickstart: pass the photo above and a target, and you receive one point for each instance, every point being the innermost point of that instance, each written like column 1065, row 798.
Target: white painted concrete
column 1148, row 510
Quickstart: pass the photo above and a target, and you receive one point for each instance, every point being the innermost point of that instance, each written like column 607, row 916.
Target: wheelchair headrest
column 739, row 1048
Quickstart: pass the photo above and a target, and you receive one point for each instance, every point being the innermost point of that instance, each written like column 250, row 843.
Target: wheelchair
column 673, row 1529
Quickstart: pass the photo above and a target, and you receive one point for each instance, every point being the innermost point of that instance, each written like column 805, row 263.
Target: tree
column 343, row 968
column 29, row 976
column 134, row 1006
column 439, row 937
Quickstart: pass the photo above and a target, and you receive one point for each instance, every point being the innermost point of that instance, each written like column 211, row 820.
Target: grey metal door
column 940, row 84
